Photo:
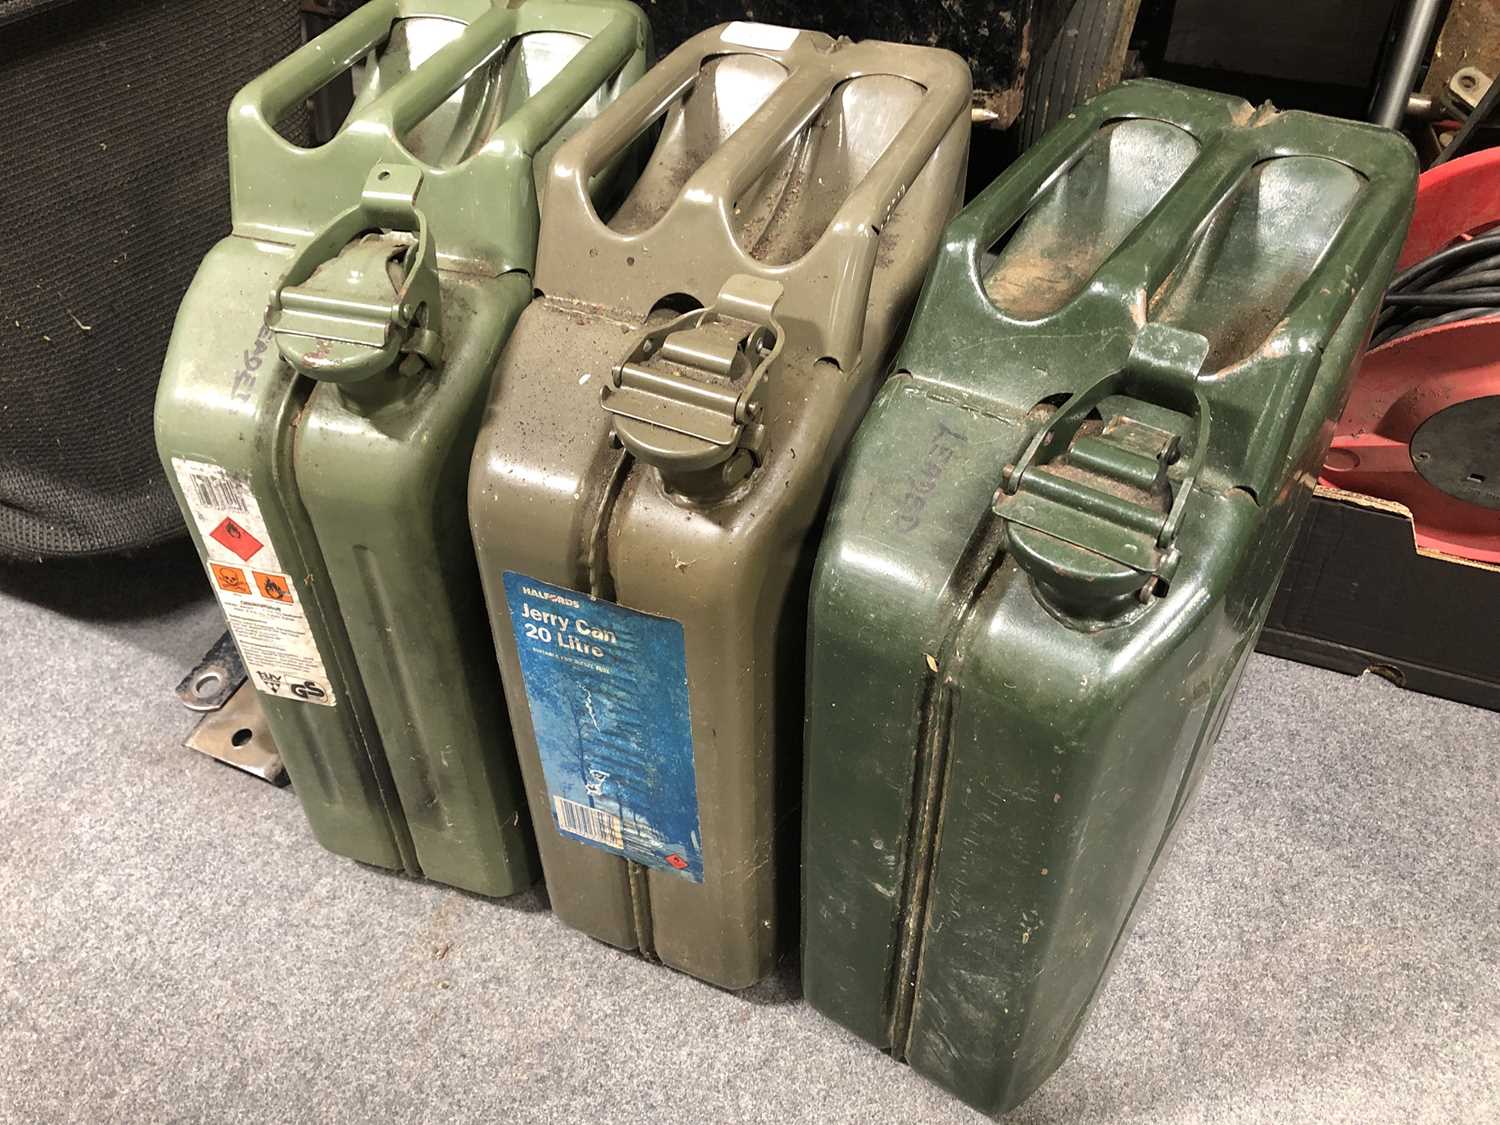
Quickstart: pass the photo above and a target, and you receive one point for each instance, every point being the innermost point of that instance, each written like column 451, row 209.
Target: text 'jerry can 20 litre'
column 657, row 453
column 1058, row 533
column 320, row 448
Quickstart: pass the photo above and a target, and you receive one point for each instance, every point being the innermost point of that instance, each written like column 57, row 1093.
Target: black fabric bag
column 114, row 184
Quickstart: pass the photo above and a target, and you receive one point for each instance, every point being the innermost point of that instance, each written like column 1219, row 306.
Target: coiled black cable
column 1459, row 282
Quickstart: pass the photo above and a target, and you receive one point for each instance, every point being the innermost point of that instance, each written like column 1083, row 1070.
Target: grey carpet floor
column 1322, row 945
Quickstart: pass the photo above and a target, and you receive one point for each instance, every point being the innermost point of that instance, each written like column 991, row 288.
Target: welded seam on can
column 970, row 577
column 285, row 436
column 601, row 580
column 283, row 452
column 931, row 760
column 384, row 617
column 601, row 584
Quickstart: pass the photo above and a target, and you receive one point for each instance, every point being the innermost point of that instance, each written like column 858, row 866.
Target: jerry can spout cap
column 689, row 394
column 1089, row 512
column 362, row 296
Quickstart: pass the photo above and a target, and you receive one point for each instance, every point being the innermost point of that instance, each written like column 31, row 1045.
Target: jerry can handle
column 1162, row 370
column 268, row 98
column 339, row 314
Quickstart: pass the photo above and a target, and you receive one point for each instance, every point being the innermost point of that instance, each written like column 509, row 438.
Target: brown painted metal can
column 656, row 458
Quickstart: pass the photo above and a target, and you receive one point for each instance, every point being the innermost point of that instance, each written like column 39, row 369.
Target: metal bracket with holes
column 208, row 686
column 233, row 728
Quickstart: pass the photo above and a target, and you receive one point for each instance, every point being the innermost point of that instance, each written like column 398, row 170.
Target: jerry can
column 319, row 446
column 657, row 452
column 1057, row 535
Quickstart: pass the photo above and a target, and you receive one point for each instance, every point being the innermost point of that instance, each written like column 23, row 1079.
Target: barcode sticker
column 259, row 597
column 217, row 491
column 592, row 824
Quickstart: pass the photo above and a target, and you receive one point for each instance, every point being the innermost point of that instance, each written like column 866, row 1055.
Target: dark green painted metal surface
column 334, row 428
column 1055, row 540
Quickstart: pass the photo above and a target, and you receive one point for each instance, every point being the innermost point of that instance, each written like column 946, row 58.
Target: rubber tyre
column 1084, row 58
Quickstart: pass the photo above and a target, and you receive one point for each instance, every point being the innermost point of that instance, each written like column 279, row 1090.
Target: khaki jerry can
column 319, row 448
column 657, row 454
column 1056, row 537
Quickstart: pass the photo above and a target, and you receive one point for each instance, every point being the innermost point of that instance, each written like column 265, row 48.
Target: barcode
column 592, row 824
column 223, row 493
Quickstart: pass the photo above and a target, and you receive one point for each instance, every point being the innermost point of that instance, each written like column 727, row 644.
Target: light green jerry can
column 657, row 453
column 319, row 447
column 1056, row 537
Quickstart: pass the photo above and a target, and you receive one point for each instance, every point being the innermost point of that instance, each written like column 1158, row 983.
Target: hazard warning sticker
column 230, row 578
column 277, row 587
column 263, row 612
column 235, row 539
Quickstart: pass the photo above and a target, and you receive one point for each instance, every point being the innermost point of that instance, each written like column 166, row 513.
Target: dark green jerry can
column 319, row 447
column 1054, row 542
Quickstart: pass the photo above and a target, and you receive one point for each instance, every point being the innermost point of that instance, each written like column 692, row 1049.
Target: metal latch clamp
column 1090, row 546
column 689, row 393
column 362, row 295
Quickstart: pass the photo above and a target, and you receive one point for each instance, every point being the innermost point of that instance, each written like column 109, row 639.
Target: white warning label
column 264, row 612
column 766, row 36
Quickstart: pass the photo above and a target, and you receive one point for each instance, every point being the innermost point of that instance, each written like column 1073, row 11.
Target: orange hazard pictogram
column 231, row 578
column 236, row 538
column 274, row 586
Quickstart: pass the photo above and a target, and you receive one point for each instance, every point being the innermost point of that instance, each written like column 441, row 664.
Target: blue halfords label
column 609, row 703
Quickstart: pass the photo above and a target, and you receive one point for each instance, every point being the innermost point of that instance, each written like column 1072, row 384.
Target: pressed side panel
column 1255, row 253
column 1085, row 214
column 727, row 91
